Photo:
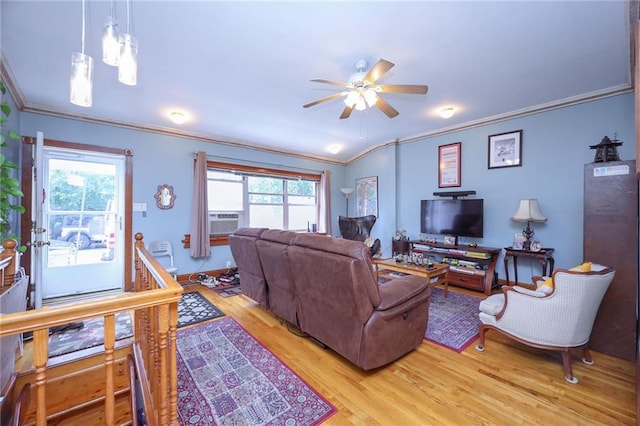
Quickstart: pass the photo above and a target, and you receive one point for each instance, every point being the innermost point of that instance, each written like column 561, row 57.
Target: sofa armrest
column 401, row 294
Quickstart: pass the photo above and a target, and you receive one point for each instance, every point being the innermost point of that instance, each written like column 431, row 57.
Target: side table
column 544, row 256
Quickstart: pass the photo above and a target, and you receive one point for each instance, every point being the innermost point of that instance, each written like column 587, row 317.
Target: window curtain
column 324, row 203
column 200, row 214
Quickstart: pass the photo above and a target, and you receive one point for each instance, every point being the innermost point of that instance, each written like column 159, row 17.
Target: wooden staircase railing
column 154, row 305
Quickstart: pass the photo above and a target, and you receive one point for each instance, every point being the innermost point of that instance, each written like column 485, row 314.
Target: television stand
column 469, row 267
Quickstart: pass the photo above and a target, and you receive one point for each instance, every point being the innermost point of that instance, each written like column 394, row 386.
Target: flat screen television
column 458, row 217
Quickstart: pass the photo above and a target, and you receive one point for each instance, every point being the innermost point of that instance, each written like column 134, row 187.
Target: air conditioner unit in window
column 223, row 223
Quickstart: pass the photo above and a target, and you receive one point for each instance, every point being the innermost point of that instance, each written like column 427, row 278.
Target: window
column 245, row 196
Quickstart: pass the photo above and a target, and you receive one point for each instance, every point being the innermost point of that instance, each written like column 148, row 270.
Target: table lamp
column 528, row 211
column 347, row 192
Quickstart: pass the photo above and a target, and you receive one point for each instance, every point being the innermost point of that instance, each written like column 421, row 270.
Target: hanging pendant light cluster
column 117, row 50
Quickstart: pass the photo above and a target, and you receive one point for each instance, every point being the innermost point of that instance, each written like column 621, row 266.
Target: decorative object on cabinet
column 449, row 239
column 165, row 197
column 528, row 211
column 505, row 150
column 346, row 192
column 449, row 165
column 607, row 149
column 367, row 196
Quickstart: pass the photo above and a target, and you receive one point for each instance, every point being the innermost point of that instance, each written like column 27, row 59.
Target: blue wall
column 555, row 148
column 161, row 159
column 554, row 151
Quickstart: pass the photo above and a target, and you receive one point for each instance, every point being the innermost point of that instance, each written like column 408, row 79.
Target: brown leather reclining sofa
column 327, row 288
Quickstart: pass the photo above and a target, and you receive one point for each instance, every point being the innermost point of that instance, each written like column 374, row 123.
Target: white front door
column 82, row 206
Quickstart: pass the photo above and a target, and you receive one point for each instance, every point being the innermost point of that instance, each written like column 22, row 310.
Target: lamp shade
column 528, row 211
column 128, row 61
column 346, row 191
column 81, row 81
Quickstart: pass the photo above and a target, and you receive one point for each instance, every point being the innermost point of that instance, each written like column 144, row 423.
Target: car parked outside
column 91, row 231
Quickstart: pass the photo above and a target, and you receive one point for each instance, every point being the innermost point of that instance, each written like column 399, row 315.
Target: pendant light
column 110, row 45
column 128, row 62
column 81, row 80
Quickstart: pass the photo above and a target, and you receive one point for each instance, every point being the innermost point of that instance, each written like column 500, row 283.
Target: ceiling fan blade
column 325, row 99
column 346, row 112
column 378, row 70
column 404, row 88
column 386, row 108
column 335, row 83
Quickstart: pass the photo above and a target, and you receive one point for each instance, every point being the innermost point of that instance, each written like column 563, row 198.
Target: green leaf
column 6, row 109
column 14, row 135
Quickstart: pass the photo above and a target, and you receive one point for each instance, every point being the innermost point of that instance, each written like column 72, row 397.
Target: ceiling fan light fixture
column 361, row 105
column 447, row 112
column 371, row 97
column 352, row 98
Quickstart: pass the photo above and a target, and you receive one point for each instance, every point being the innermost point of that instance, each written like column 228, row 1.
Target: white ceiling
column 241, row 70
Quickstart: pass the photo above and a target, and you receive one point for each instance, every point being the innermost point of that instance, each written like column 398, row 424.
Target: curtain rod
column 249, row 163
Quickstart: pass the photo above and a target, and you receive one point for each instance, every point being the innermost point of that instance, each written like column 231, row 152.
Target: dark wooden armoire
column 611, row 239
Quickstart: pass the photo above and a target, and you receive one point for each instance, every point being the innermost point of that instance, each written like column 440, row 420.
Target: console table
column 471, row 267
column 544, row 256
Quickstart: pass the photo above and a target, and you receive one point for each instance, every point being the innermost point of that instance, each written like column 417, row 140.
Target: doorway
column 81, row 218
column 81, row 211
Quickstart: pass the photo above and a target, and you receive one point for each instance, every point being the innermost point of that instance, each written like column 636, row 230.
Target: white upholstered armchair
column 560, row 319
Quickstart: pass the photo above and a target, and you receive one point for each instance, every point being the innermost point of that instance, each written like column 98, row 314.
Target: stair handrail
column 154, row 302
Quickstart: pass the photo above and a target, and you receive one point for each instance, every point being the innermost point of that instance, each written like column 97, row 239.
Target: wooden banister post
column 9, row 252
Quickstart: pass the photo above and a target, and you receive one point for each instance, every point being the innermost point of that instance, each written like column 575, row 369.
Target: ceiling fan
column 362, row 91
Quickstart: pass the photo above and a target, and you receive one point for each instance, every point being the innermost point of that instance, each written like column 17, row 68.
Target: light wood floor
column 506, row 384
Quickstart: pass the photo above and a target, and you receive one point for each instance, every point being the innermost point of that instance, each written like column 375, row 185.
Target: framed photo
column 449, row 239
column 505, row 150
column 367, row 196
column 449, row 165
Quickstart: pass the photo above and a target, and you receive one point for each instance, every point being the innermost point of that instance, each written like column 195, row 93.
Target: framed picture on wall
column 505, row 150
column 449, row 165
column 367, row 196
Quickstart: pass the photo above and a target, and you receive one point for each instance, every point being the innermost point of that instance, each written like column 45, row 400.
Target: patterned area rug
column 225, row 376
column 227, row 290
column 453, row 322
column 91, row 334
column 194, row 308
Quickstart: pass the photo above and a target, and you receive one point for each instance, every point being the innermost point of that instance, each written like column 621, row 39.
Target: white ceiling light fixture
column 334, row 149
column 128, row 61
column 178, row 117
column 81, row 79
column 110, row 45
column 447, row 112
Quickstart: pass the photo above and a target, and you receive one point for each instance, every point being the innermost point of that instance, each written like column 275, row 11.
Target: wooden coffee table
column 439, row 274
